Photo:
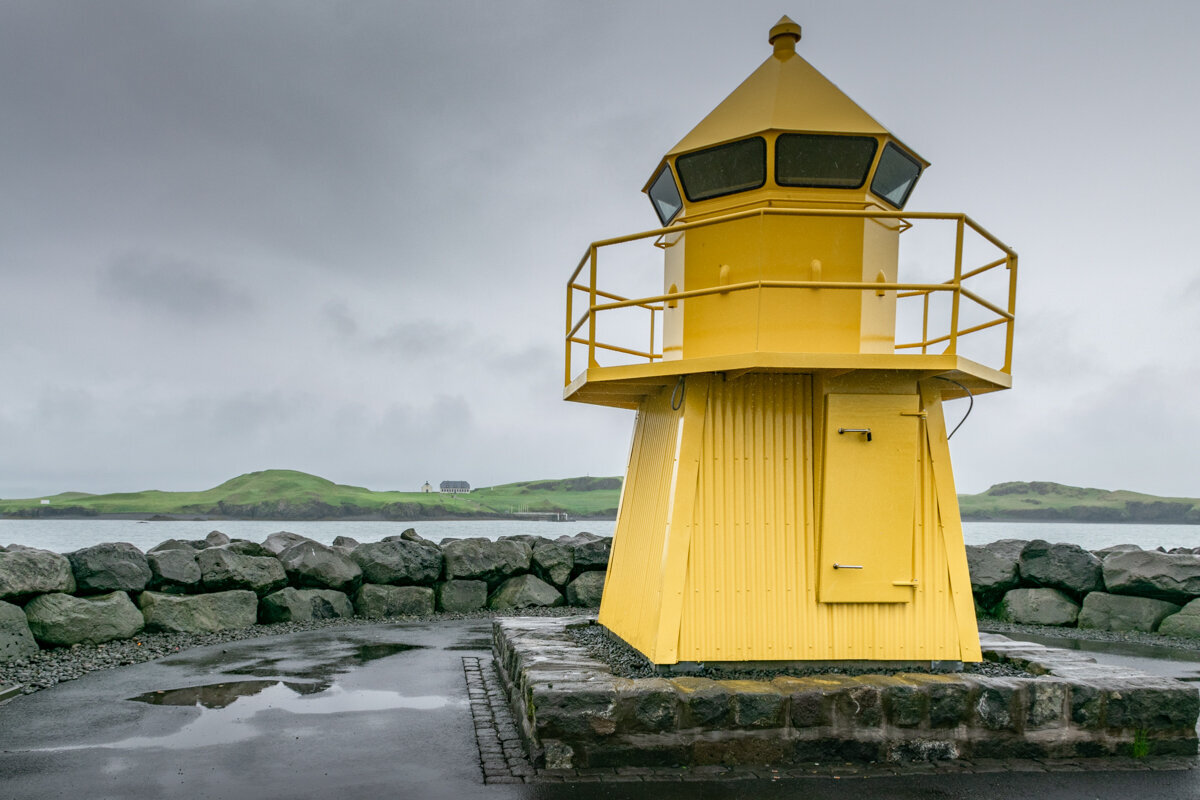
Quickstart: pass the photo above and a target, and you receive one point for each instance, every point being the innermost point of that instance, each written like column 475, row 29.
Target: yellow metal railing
column 657, row 303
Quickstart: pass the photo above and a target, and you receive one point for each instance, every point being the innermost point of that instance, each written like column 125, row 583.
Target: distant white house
column 426, row 488
column 454, row 487
column 45, row 502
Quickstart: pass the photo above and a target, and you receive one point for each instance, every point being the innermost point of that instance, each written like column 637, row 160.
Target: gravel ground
column 49, row 667
column 629, row 663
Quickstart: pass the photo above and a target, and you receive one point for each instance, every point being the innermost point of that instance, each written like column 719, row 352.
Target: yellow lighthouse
column 789, row 494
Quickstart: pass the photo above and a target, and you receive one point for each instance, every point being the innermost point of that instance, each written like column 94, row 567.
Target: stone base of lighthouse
column 785, row 516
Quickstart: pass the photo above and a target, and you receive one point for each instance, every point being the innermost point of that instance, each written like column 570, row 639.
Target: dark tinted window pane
column 725, row 169
column 896, row 175
column 665, row 196
column 839, row 162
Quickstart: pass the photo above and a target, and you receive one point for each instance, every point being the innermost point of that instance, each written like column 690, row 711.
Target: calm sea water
column 63, row 536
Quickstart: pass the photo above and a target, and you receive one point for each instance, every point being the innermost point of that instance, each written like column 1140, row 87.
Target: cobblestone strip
column 501, row 755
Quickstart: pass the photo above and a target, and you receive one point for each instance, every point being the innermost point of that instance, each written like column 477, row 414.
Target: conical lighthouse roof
column 785, row 93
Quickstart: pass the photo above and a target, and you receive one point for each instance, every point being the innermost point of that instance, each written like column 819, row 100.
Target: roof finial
column 784, row 36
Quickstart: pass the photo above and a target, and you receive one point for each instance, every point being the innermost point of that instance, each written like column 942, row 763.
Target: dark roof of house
column 455, row 485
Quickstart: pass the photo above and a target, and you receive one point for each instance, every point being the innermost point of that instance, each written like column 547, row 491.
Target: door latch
column 867, row 431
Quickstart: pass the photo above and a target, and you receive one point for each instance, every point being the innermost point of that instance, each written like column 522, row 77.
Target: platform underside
column 625, row 386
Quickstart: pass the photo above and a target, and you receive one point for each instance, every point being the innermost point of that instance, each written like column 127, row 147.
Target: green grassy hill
column 288, row 494
column 1041, row 501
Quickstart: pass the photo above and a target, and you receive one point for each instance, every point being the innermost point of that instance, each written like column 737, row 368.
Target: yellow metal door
column 868, row 493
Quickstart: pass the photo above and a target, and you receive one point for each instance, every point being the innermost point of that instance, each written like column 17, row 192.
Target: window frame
column 666, row 168
column 909, row 157
column 683, row 157
column 867, row 173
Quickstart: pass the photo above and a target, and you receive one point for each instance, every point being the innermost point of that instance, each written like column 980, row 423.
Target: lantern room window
column 823, row 161
column 725, row 169
column 895, row 176
column 664, row 196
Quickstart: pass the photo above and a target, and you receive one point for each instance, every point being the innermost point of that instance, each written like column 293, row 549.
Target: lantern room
column 761, row 148
column 789, row 494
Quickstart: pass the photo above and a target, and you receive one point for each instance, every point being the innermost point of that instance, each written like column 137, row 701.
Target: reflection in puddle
column 323, row 671
column 228, row 712
column 220, row 695
column 471, row 644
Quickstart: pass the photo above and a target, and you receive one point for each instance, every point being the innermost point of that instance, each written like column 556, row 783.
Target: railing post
column 567, row 338
column 958, row 257
column 653, row 318
column 1012, row 310
column 592, row 309
column 924, row 326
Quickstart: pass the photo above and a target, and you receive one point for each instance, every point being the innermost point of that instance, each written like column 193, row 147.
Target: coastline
column 147, row 517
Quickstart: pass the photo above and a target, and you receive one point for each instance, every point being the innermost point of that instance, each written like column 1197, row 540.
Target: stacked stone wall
column 1121, row 588
column 115, row 591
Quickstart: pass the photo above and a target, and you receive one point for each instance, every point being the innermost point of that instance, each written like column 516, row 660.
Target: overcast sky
column 334, row 236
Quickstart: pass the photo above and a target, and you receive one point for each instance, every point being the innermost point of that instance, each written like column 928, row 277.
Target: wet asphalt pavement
column 378, row 711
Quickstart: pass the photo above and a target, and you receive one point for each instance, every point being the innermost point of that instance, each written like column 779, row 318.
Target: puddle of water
column 1169, row 662
column 220, row 695
column 471, row 644
column 234, row 706
column 323, row 671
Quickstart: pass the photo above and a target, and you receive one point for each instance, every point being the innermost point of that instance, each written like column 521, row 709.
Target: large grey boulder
column 485, row 560
column 591, row 555
column 109, row 567
column 524, row 591
column 1111, row 612
column 62, row 620
column 579, row 538
column 398, row 562
column 462, row 596
column 247, row 548
column 586, row 590
column 1038, row 607
column 1149, row 573
column 1105, row 552
column 993, row 569
column 349, row 542
column 216, row 539
column 175, row 571
column 222, row 570
column 178, row 544
column 312, row 565
column 26, row 571
column 16, row 640
column 553, row 561
column 281, row 540
column 302, row 605
column 201, row 613
column 1186, row 623
column 410, row 535
column 375, row 602
column 1061, row 566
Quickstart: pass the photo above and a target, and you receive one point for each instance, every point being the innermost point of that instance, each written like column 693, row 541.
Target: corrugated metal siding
column 633, row 587
column 750, row 588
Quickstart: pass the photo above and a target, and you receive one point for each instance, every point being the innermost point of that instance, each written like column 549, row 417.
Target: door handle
column 867, row 431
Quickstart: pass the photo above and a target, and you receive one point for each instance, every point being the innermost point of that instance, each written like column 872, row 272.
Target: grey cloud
column 338, row 317
column 173, row 287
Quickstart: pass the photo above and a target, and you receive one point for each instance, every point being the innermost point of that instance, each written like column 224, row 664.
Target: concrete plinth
column 573, row 712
